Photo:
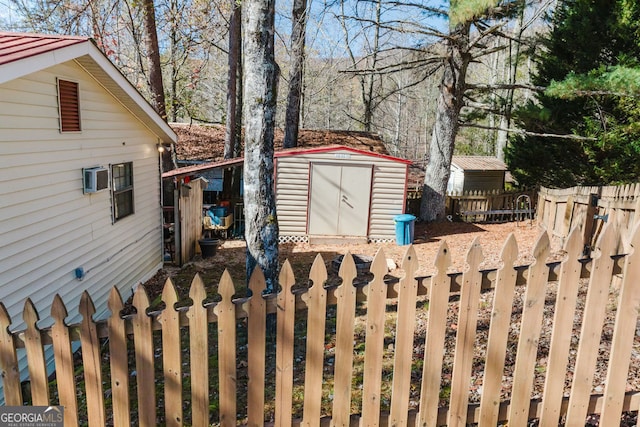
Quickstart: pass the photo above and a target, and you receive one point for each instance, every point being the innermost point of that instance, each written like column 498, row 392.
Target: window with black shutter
column 69, row 101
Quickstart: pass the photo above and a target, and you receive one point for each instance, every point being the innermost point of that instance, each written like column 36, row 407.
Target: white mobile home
column 79, row 175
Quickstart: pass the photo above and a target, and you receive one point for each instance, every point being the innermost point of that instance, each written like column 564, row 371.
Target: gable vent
column 68, row 98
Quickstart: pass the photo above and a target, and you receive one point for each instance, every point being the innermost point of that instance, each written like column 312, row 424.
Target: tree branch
column 491, row 87
column 524, row 132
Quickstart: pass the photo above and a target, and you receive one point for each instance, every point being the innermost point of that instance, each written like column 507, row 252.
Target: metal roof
column 479, row 163
column 22, row 54
column 188, row 170
column 16, row 46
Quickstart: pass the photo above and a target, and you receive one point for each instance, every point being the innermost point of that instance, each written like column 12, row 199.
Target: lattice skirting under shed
column 293, row 239
column 305, row 239
column 382, row 240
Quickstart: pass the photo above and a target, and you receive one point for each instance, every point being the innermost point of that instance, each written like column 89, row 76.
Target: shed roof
column 23, row 53
column 479, row 163
column 187, row 170
column 206, row 142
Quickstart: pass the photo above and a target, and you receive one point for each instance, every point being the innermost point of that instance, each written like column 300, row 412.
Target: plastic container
column 405, row 225
column 219, row 211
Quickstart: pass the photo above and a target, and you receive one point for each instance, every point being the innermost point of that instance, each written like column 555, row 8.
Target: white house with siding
column 66, row 114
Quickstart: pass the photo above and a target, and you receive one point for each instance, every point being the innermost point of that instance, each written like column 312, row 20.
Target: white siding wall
column 456, row 180
column 292, row 194
column 292, row 191
column 48, row 227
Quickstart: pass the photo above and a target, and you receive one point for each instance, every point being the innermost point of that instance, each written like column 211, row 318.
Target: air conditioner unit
column 95, row 179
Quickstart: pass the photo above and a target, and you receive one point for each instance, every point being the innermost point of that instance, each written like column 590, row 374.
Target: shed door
column 339, row 203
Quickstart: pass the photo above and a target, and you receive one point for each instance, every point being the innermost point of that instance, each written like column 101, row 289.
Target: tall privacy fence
column 485, row 346
column 588, row 208
column 483, row 206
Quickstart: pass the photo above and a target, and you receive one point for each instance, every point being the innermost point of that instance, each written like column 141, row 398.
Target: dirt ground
column 459, row 237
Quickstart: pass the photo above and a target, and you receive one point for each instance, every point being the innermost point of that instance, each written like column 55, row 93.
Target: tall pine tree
column 587, row 63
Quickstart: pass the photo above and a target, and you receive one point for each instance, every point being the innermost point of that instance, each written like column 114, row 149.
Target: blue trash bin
column 405, row 224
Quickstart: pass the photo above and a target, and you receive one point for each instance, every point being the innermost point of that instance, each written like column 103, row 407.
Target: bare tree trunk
column 239, row 103
column 298, row 32
column 236, row 182
column 153, row 50
column 366, row 82
column 173, row 37
column 233, row 130
column 369, row 105
column 512, row 63
column 445, row 129
column 260, row 86
column 235, row 29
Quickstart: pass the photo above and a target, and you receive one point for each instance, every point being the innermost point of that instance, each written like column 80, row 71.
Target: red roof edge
column 187, row 170
column 299, row 151
column 18, row 46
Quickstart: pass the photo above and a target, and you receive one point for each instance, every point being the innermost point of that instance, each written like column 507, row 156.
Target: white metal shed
column 338, row 192
column 476, row 173
column 332, row 193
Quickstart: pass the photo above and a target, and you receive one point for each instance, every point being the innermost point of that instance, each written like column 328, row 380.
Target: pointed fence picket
column 498, row 333
column 117, row 336
column 532, row 312
column 343, row 369
column 171, row 357
column 64, row 362
column 405, row 327
column 465, row 337
column 174, row 369
column 316, row 301
column 568, row 287
column 439, row 293
column 226, row 312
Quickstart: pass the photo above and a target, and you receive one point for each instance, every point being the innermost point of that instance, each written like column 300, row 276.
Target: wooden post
column 587, row 230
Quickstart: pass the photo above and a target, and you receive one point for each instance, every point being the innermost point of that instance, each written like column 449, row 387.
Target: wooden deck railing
column 186, row 364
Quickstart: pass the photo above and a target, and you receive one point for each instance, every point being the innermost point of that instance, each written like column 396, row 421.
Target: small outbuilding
column 339, row 192
column 330, row 193
column 476, row 173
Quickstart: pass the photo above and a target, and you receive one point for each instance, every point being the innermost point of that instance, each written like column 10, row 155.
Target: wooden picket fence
column 175, row 352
